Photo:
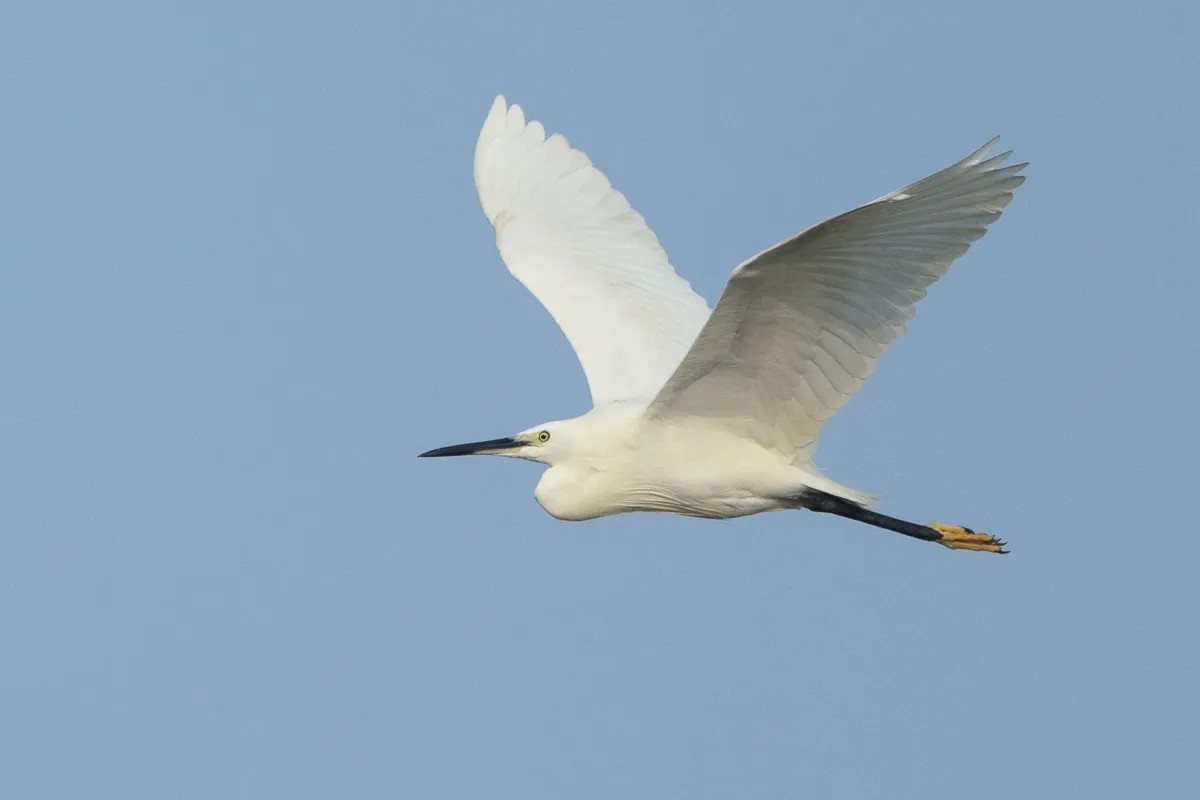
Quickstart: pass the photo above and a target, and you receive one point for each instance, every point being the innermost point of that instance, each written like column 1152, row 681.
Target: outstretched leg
column 953, row 536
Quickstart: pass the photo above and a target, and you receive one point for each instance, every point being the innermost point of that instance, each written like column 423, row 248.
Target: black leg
column 831, row 504
column 955, row 537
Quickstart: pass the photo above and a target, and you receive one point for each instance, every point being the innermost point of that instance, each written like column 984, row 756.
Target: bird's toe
column 957, row 537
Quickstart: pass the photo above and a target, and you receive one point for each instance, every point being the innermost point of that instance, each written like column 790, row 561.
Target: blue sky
column 247, row 280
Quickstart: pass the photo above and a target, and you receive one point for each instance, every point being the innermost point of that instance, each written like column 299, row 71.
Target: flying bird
column 714, row 413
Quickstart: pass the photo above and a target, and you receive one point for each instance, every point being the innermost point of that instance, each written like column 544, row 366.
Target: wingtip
column 493, row 127
column 985, row 159
column 498, row 110
column 984, row 152
column 503, row 114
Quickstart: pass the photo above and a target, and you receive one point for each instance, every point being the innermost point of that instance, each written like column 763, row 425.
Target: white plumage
column 590, row 259
column 714, row 414
column 801, row 325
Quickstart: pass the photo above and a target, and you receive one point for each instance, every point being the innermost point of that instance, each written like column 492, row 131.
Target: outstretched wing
column 801, row 325
column 588, row 257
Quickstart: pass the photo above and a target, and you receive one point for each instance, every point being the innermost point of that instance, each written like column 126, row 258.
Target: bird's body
column 714, row 413
column 623, row 460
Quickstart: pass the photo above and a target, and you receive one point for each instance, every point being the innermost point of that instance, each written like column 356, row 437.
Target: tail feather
column 817, row 481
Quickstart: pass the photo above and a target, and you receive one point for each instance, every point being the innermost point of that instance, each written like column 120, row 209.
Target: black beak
column 474, row 448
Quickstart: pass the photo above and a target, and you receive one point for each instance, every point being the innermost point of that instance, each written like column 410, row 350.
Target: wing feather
column 590, row 259
column 801, row 325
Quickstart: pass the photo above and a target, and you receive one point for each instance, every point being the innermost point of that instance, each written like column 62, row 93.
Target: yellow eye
column 544, row 437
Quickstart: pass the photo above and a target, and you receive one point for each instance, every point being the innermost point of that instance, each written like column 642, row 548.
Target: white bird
column 714, row 414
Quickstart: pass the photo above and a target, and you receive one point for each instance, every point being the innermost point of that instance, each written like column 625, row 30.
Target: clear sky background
column 246, row 280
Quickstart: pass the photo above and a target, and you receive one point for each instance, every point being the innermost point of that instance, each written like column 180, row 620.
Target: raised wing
column 801, row 325
column 588, row 257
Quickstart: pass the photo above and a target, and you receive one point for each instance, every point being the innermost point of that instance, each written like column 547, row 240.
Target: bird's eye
column 544, row 437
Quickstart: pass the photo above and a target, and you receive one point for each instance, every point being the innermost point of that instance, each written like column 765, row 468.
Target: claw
column 957, row 537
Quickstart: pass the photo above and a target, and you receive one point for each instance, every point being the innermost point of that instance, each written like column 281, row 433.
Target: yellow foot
column 957, row 537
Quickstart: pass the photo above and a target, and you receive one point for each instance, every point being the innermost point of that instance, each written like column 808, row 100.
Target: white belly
column 591, row 498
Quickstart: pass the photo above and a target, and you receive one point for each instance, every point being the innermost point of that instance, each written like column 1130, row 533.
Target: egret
column 714, row 413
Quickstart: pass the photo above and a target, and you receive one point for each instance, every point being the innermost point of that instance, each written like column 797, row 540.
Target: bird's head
column 539, row 443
